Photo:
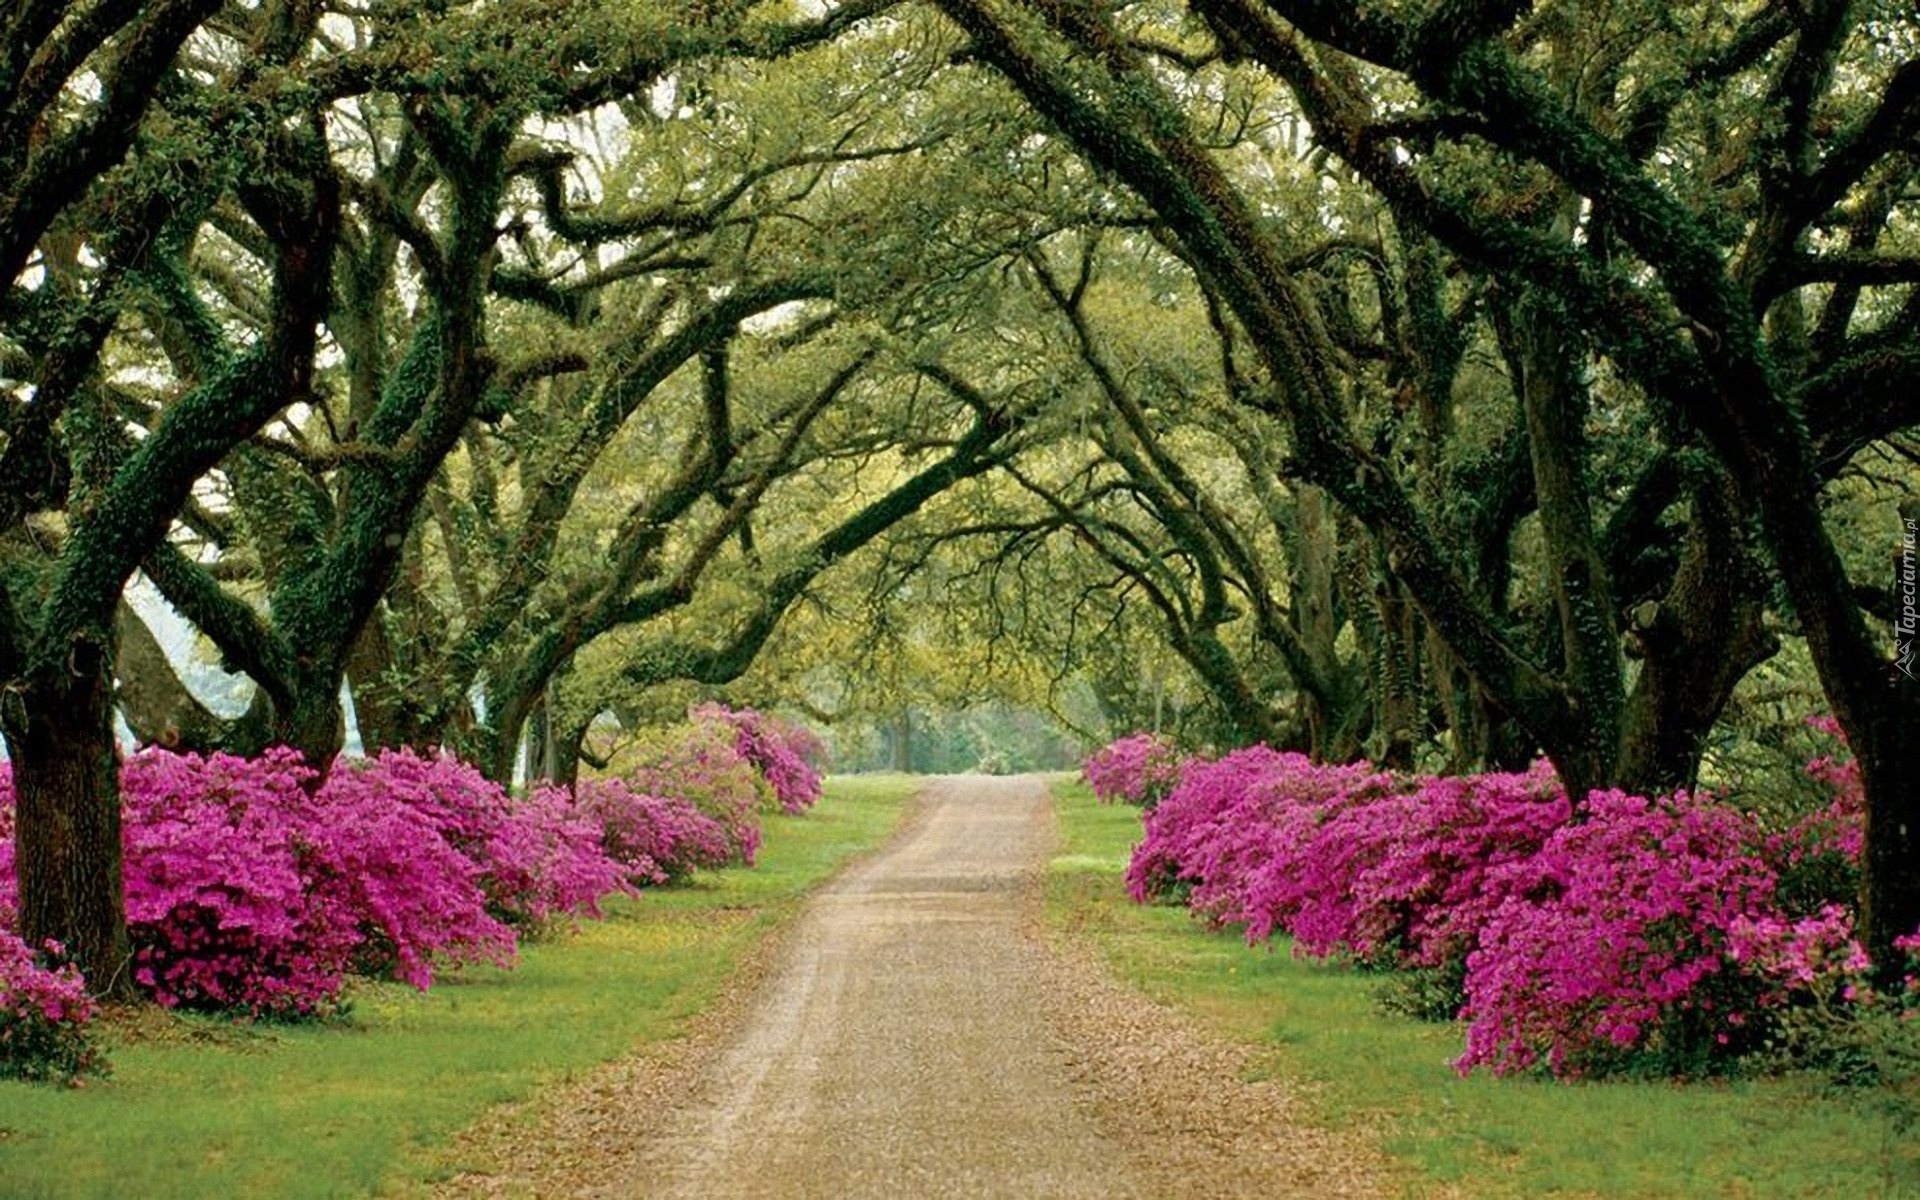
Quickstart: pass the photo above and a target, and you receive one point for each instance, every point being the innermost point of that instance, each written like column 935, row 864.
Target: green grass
column 1484, row 1136
column 199, row 1107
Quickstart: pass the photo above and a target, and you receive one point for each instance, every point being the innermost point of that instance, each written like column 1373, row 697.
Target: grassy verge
column 1482, row 1136
column 199, row 1107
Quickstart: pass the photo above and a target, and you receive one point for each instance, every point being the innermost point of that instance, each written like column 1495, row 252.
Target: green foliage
column 1426, row 993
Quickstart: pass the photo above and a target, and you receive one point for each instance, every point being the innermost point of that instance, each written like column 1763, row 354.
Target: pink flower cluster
column 653, row 839
column 698, row 763
column 1631, row 934
column 44, row 1014
column 1138, row 769
column 247, row 890
column 536, row 859
column 785, row 753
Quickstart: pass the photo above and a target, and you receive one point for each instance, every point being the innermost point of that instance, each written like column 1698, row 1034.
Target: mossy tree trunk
column 66, row 772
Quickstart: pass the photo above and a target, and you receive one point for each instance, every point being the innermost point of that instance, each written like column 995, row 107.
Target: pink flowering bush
column 1139, row 769
column 1186, row 833
column 219, row 911
column 699, row 763
column 536, row 859
column 654, row 839
column 1617, row 944
column 1299, row 876
column 546, row 860
column 1671, row 934
column 1425, row 868
column 246, row 891
column 784, row 752
column 1229, row 838
column 414, row 900
column 44, row 1014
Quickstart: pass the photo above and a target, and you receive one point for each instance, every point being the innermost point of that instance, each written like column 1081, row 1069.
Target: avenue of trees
column 1450, row 383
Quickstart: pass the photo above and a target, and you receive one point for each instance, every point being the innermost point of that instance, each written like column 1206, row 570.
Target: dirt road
column 916, row 1037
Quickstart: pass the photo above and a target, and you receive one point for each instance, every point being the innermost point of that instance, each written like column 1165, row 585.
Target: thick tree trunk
column 553, row 747
column 66, row 774
column 1890, row 884
column 1886, row 743
column 315, row 725
column 561, row 766
column 1698, row 642
column 1542, row 348
column 380, row 710
column 496, row 742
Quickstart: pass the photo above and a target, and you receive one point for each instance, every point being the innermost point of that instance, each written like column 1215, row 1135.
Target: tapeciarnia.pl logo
column 1903, row 629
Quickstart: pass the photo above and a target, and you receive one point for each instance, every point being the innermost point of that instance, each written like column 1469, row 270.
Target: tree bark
column 1697, row 642
column 67, row 830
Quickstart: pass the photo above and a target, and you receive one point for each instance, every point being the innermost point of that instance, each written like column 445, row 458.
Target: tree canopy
column 1447, row 383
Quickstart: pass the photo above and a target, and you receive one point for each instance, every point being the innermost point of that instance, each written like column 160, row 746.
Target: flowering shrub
column 1669, row 934
column 699, row 763
column 1140, row 769
column 244, row 891
column 783, row 752
column 654, row 839
column 546, row 859
column 1616, row 945
column 411, row 897
column 1213, row 801
column 1299, row 876
column 44, row 1014
column 536, row 859
column 1431, row 864
column 219, row 912
column 1229, row 837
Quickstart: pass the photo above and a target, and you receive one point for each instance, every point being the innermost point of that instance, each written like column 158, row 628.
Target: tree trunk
column 66, row 775
column 900, row 741
column 382, row 711
column 1542, row 347
column 315, row 725
column 1890, row 883
column 1698, row 642
column 564, row 742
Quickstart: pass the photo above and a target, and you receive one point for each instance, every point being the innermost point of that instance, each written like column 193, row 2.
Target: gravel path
column 914, row 1035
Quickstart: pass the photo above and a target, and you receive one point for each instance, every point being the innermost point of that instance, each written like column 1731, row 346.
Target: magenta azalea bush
column 1632, row 935
column 246, row 891
column 413, row 899
column 654, row 839
column 45, row 1013
column 785, row 753
column 1138, row 769
column 1669, row 934
column 699, row 763
column 249, row 888
column 1236, row 825
column 537, row 859
column 219, row 910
